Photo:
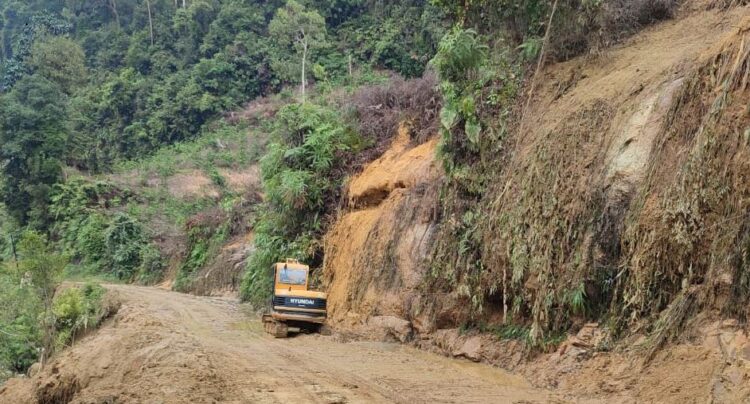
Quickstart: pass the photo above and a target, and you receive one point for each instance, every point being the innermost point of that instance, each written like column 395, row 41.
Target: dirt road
column 165, row 347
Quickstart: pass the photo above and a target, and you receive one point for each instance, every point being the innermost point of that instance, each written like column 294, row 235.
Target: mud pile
column 132, row 358
column 167, row 347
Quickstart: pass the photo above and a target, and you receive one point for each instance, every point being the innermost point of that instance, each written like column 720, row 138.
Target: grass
column 225, row 145
column 89, row 274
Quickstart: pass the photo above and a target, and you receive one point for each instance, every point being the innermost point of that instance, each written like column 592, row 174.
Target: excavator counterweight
column 294, row 307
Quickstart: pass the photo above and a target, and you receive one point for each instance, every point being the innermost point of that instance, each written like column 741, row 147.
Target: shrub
column 578, row 25
column 19, row 345
column 68, row 310
column 78, row 309
column 301, row 176
column 124, row 239
column 381, row 108
column 583, row 25
column 20, row 336
column 205, row 232
column 152, row 265
column 116, row 245
column 91, row 244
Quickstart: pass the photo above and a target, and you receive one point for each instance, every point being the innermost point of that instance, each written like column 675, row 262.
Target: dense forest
column 90, row 90
column 88, row 86
column 109, row 80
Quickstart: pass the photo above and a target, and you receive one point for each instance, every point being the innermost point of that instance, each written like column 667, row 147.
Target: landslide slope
column 625, row 181
column 375, row 252
column 625, row 184
column 605, row 140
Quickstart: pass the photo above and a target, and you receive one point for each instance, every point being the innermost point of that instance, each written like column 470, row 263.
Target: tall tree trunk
column 114, row 11
column 150, row 22
column 183, row 4
column 304, row 61
column 13, row 249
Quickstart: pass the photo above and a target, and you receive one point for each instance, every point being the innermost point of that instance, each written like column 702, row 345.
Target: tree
column 190, row 25
column 20, row 338
column 41, row 23
column 59, row 60
column 124, row 240
column 33, row 133
column 39, row 264
column 233, row 19
column 298, row 30
column 150, row 22
column 113, row 7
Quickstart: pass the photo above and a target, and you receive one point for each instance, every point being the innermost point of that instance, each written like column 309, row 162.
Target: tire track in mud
column 284, row 360
column 250, row 366
column 280, row 359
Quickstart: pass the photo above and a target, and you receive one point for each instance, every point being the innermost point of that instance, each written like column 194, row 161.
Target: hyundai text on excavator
column 294, row 307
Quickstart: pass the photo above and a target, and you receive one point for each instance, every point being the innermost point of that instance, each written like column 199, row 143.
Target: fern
column 459, row 55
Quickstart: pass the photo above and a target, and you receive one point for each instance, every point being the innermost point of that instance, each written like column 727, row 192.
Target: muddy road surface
column 166, row 347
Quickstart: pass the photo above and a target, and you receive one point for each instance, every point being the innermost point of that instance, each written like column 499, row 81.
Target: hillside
column 606, row 160
column 556, row 188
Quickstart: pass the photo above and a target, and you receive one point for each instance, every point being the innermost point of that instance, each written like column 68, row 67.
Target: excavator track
column 274, row 327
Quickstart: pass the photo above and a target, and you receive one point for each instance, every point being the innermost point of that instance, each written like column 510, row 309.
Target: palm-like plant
column 460, row 55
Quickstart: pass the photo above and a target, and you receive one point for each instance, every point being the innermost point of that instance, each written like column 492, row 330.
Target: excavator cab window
column 292, row 276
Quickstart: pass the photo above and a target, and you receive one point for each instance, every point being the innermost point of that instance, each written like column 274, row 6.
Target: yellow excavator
column 294, row 307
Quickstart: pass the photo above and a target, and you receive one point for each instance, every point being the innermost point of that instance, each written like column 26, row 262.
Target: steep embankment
column 591, row 131
column 626, row 180
column 623, row 171
column 375, row 252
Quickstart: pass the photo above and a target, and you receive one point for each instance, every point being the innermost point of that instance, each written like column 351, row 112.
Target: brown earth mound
column 401, row 166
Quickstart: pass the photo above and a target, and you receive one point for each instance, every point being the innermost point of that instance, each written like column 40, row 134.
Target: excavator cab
column 294, row 307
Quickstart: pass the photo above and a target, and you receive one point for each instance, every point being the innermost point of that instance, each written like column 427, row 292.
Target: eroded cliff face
column 375, row 254
column 625, row 180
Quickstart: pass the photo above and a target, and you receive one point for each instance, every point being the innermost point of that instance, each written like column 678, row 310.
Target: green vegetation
column 102, row 242
column 299, row 32
column 106, row 105
column 34, row 320
column 42, row 269
column 79, row 309
column 102, row 104
column 205, row 235
column 20, row 331
column 478, row 93
column 301, row 180
column 123, row 87
column 480, row 75
column 117, row 81
column 33, row 134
